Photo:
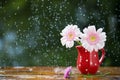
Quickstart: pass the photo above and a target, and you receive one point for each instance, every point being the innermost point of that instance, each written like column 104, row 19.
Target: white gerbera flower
column 70, row 34
column 92, row 39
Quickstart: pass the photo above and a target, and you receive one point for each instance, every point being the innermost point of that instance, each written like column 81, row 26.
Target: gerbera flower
column 70, row 34
column 92, row 39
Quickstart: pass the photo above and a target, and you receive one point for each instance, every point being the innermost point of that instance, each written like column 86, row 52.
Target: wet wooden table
column 55, row 73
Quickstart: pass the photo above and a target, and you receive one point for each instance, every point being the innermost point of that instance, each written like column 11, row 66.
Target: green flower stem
column 90, row 75
column 79, row 42
column 97, row 75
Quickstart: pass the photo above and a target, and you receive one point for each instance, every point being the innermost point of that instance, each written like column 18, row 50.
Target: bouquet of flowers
column 91, row 39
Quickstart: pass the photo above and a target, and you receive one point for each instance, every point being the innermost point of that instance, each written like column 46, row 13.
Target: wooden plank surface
column 54, row 73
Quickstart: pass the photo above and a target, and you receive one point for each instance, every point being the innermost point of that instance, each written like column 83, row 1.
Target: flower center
column 70, row 36
column 92, row 38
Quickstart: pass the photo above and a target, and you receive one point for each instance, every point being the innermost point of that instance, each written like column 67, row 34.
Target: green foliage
column 37, row 25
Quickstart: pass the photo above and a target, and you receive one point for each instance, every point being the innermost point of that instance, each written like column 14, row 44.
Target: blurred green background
column 30, row 30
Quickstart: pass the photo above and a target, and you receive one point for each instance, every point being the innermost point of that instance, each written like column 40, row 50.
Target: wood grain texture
column 55, row 73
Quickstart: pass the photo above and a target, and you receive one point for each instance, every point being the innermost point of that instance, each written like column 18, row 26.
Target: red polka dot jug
column 88, row 62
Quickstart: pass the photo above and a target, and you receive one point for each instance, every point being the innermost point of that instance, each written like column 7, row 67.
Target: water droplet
column 18, row 7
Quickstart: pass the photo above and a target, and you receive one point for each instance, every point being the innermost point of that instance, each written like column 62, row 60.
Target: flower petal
column 67, row 72
column 99, row 30
column 91, row 28
column 63, row 41
column 69, row 44
column 85, row 30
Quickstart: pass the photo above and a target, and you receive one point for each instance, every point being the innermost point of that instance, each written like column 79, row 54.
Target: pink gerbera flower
column 70, row 34
column 92, row 39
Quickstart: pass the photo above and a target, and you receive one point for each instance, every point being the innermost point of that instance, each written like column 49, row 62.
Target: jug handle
column 103, row 55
